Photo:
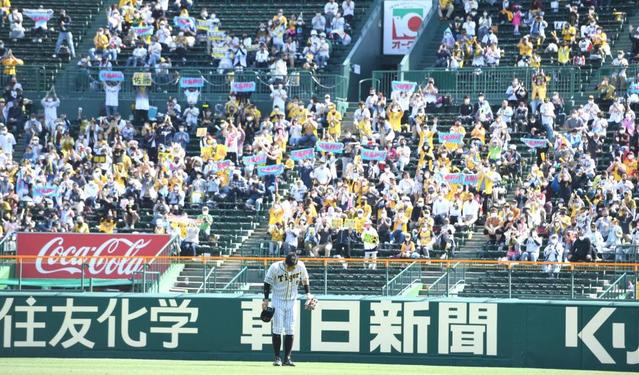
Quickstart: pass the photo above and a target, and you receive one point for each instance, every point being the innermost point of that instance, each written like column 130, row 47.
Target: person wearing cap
column 283, row 278
column 323, row 51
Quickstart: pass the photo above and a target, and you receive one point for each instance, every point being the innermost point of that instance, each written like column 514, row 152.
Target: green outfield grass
column 54, row 366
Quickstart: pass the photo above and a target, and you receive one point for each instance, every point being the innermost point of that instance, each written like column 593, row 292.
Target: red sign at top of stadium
column 106, row 256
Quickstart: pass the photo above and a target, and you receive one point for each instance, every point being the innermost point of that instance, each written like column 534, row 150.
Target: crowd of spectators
column 575, row 38
column 150, row 33
column 564, row 207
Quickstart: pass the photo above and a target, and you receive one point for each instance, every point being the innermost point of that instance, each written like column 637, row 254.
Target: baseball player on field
column 283, row 278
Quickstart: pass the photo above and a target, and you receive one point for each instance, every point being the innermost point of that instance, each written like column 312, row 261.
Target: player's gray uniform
column 284, row 287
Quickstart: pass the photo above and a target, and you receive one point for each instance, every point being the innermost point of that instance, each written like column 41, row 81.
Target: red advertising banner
column 60, row 255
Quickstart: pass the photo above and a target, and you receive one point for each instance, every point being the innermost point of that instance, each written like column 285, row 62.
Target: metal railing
column 619, row 289
column 237, row 283
column 389, row 276
column 207, row 275
column 493, row 82
column 302, row 83
column 148, row 279
column 450, row 279
column 8, row 244
column 404, row 279
column 34, row 78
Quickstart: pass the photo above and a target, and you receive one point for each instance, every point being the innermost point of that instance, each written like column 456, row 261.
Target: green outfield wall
column 476, row 332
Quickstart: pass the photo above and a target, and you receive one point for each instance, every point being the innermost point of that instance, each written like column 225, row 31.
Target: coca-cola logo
column 55, row 257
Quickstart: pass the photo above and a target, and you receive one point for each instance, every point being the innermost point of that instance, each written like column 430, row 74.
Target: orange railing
column 390, row 261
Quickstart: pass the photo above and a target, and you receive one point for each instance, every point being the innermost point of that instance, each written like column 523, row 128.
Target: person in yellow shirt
column 569, row 33
column 525, row 47
column 80, row 226
column 535, row 61
column 600, row 41
column 277, row 238
column 334, row 120
column 276, row 213
column 365, row 127
column 100, row 41
column 446, row 9
column 407, row 250
column 9, row 61
column 107, row 225
column 563, row 53
column 5, row 7
column 539, row 89
column 478, row 133
column 427, row 133
column 280, row 17
column 395, row 114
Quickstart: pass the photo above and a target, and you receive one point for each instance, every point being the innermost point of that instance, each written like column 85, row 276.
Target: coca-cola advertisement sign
column 105, row 256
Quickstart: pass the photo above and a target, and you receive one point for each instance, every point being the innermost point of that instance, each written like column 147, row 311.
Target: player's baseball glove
column 267, row 314
column 310, row 304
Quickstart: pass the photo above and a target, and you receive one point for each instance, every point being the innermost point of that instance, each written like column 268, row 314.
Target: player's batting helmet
column 291, row 259
column 267, row 314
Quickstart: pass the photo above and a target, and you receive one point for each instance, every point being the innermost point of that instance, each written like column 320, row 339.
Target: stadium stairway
column 195, row 275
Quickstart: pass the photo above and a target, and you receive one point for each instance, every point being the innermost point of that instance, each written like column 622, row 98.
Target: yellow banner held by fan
column 201, row 132
column 142, row 79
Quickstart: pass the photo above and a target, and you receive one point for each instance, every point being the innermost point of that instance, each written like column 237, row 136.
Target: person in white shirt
column 590, row 110
column 483, row 110
column 191, row 115
column 441, row 209
column 348, row 10
column 469, row 26
column 7, row 141
column 279, row 70
column 338, row 24
column 361, row 113
column 192, row 95
column 532, row 246
column 163, row 34
column 469, row 214
column 261, row 57
column 330, row 10
column 155, row 52
column 294, row 133
column 111, row 103
column 404, row 155
column 323, row 54
column 322, row 174
column 318, row 22
column 547, row 111
column 138, row 56
column 279, row 96
column 506, row 112
column 490, row 38
column 50, row 103
column 512, row 90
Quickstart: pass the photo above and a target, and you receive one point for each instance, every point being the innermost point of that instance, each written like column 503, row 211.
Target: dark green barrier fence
column 416, row 331
column 493, row 82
